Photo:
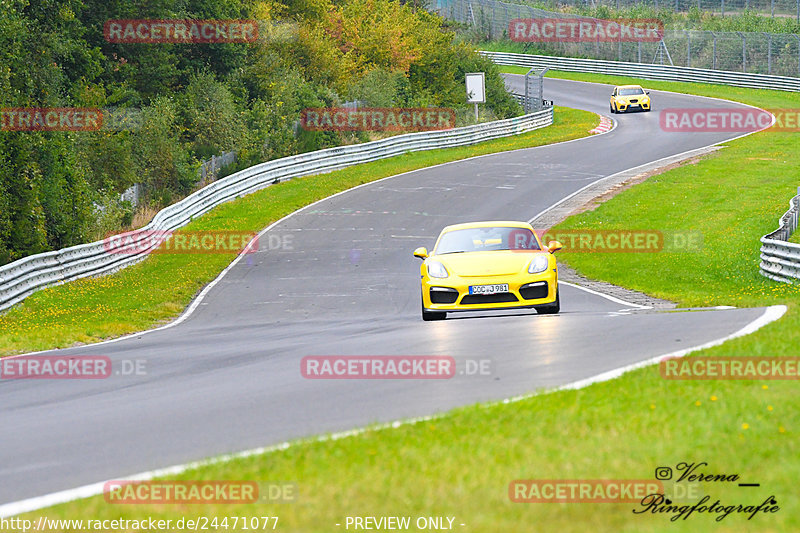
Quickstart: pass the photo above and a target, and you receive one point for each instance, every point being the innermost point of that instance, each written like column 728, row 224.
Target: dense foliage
column 182, row 103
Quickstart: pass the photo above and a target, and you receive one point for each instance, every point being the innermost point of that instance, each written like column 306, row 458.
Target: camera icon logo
column 663, row 473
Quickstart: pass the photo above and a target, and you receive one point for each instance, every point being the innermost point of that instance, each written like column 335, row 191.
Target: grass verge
column 461, row 465
column 158, row 289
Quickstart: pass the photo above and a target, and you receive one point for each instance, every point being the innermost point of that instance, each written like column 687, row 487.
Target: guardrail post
column 769, row 53
column 688, row 48
column 491, row 24
column 744, row 50
column 714, row 53
column 797, row 38
column 796, row 200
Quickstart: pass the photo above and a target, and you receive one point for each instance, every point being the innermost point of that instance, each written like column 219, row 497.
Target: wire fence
column 760, row 53
column 775, row 8
column 209, row 170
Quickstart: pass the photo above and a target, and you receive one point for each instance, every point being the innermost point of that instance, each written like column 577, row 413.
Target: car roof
column 628, row 87
column 488, row 224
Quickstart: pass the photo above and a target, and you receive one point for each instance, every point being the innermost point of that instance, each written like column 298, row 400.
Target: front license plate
column 488, row 289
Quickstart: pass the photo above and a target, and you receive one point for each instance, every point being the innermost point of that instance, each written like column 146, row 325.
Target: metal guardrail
column 780, row 260
column 741, row 51
column 23, row 277
column 646, row 71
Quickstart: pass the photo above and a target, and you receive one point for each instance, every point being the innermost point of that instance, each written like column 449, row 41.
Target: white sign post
column 476, row 89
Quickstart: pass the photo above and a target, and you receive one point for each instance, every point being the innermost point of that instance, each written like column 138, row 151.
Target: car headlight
column 539, row 264
column 437, row 270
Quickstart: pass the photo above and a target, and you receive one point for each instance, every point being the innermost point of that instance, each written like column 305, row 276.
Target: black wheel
column 611, row 108
column 427, row 316
column 550, row 309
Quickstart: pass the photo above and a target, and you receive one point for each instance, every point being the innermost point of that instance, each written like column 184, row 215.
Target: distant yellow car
column 488, row 265
column 629, row 98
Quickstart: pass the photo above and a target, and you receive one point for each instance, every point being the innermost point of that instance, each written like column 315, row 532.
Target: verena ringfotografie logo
column 734, row 368
column 623, row 240
column 378, row 367
column 582, row 490
column 50, row 119
column 180, row 31
column 377, row 119
column 188, row 242
column 582, row 30
column 198, row 492
column 729, row 120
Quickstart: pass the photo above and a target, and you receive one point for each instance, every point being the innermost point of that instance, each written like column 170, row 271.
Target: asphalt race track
column 228, row 378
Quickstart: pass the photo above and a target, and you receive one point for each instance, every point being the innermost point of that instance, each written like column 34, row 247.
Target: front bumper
column 627, row 106
column 452, row 295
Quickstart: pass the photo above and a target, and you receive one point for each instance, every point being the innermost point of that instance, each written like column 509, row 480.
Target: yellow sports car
column 629, row 98
column 488, row 265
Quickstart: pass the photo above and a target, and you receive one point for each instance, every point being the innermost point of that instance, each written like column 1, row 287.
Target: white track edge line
column 604, row 295
column 769, row 315
column 196, row 302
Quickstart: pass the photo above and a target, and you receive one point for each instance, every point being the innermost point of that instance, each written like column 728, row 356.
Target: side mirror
column 647, row 92
column 554, row 246
column 421, row 252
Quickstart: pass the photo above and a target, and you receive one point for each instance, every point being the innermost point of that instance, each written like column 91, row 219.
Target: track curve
column 228, row 378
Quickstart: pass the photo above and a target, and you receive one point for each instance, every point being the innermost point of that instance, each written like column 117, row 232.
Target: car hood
column 496, row 263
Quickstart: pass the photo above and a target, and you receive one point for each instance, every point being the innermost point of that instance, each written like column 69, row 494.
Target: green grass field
column 460, row 465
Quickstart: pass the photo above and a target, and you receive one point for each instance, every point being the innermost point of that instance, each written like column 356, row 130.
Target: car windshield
column 486, row 239
column 631, row 92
